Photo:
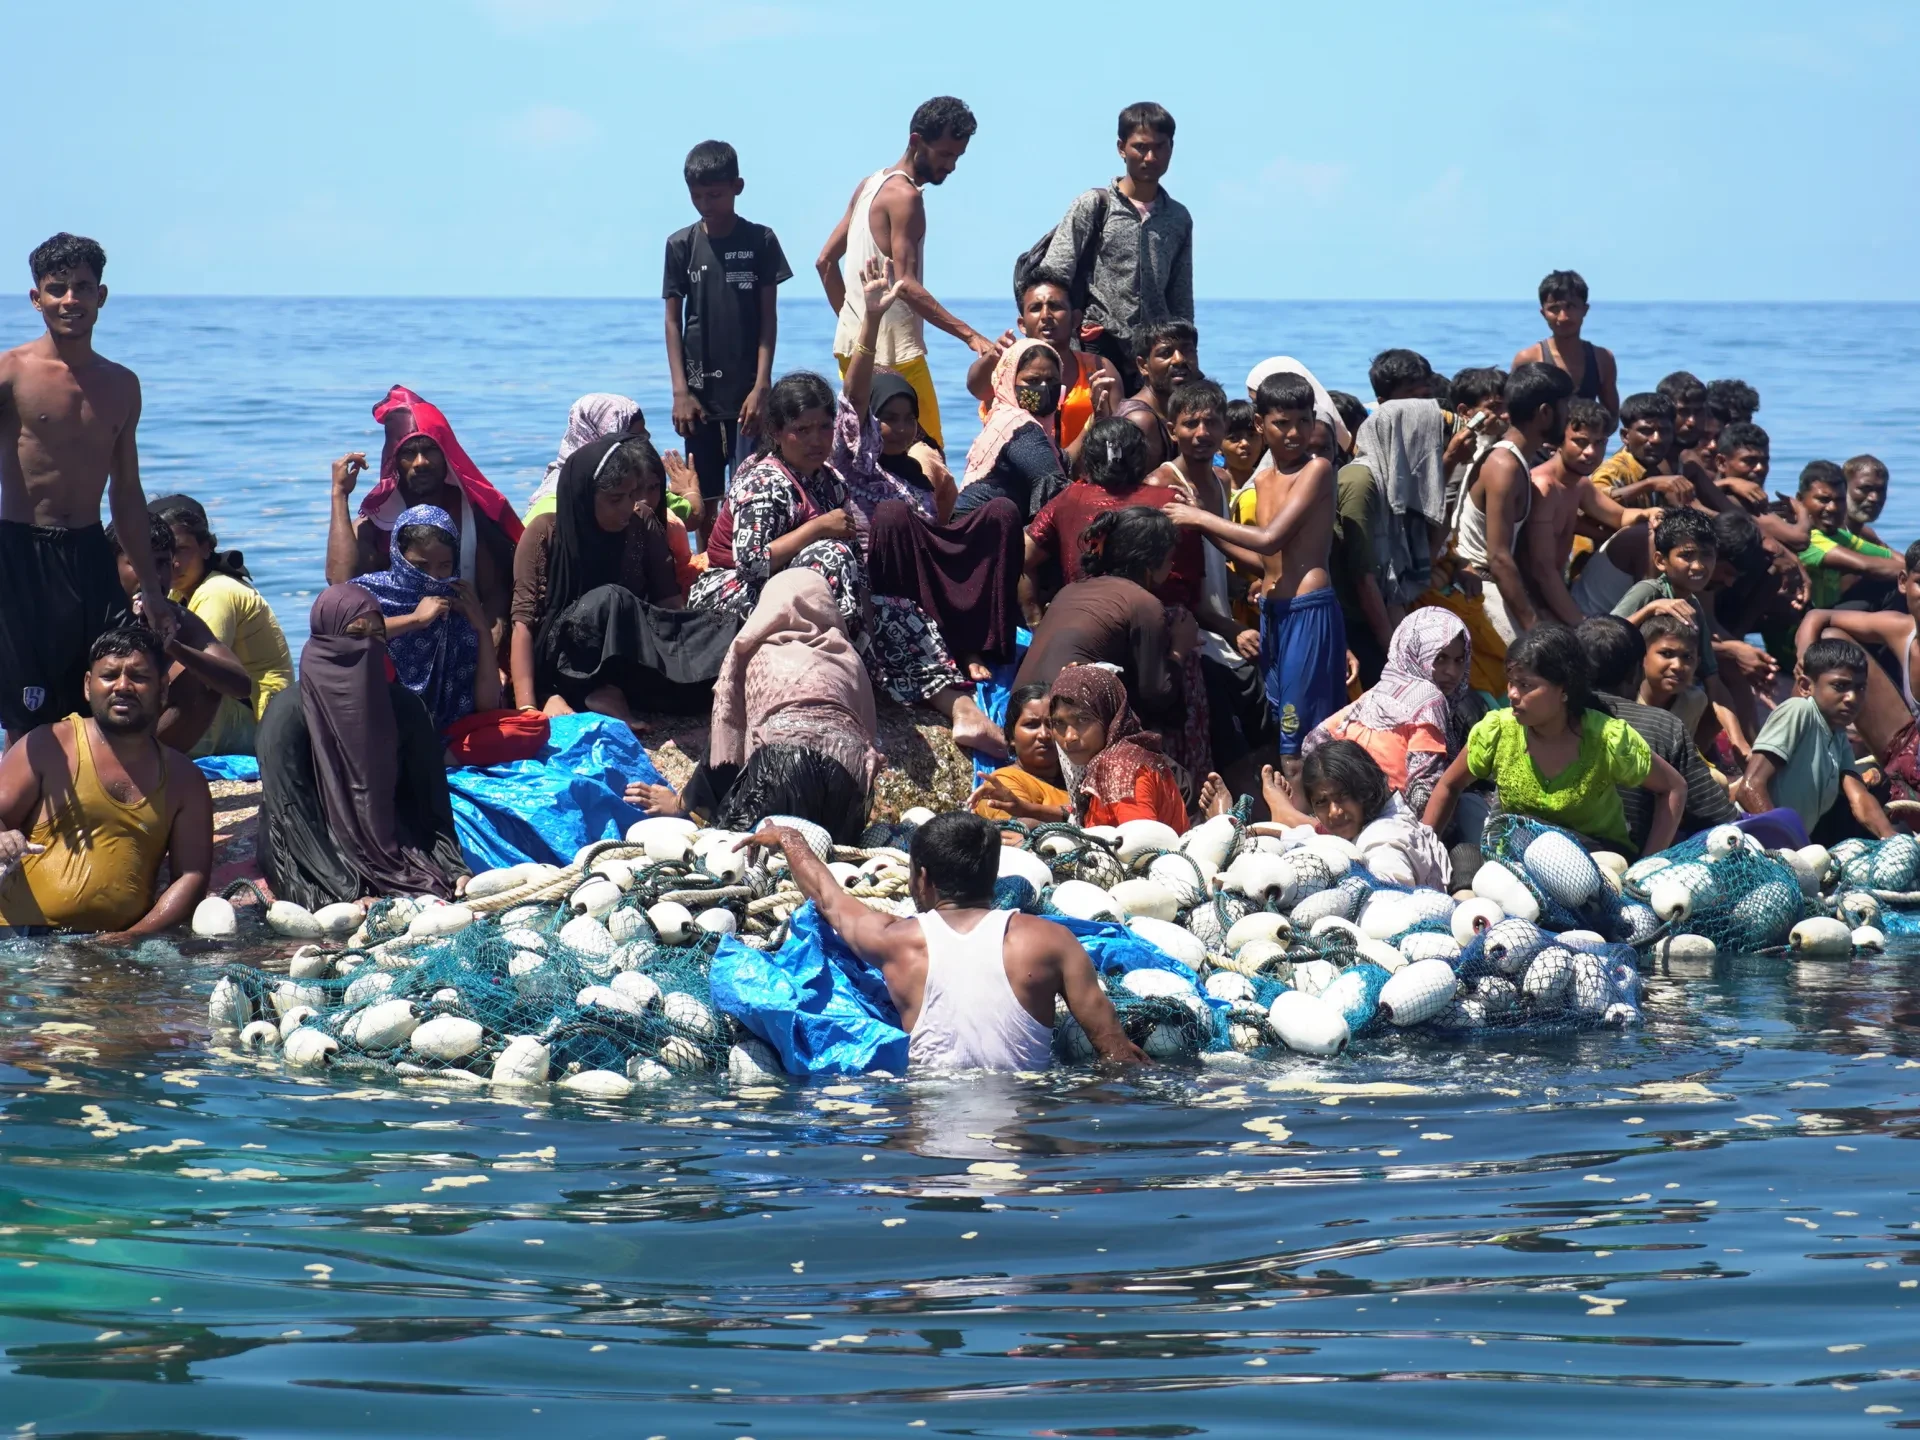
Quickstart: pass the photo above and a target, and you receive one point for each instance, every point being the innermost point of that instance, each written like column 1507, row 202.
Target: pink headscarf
column 406, row 415
column 1006, row 419
column 1406, row 694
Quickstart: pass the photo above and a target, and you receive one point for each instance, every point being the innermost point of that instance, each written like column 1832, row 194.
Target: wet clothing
column 970, row 1019
column 59, row 591
column 101, row 857
column 1585, row 796
column 1303, row 656
column 719, row 280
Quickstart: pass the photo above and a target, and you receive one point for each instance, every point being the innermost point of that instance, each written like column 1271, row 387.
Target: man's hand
column 14, row 845
column 1104, row 387
column 1746, row 492
column 980, row 344
column 775, row 837
column 654, row 799
column 1679, row 609
column 752, row 408
column 1467, row 583
column 688, row 414
column 1247, row 642
column 346, row 471
column 1459, row 448
column 1749, row 662
column 1675, row 489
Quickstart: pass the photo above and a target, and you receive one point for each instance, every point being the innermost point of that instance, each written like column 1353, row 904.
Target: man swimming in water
column 90, row 806
column 67, row 420
column 975, row 986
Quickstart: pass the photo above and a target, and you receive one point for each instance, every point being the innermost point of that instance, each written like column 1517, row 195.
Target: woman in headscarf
column 1414, row 721
column 794, row 730
column 591, row 417
column 353, row 796
column 1014, row 455
column 440, row 642
column 792, row 508
column 1113, row 769
column 592, row 583
column 964, row 574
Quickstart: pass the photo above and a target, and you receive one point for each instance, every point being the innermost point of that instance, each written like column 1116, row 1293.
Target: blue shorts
column 1303, row 655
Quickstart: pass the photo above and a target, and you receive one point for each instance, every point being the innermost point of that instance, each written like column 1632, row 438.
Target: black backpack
column 1027, row 265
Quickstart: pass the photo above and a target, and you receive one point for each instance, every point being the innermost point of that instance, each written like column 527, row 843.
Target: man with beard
column 90, row 806
column 423, row 463
column 887, row 216
column 1168, row 355
column 67, row 422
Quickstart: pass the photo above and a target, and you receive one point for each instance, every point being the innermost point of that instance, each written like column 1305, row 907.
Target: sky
column 1748, row 151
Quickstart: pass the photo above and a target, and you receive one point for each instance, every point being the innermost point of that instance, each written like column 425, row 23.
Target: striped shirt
column 1707, row 802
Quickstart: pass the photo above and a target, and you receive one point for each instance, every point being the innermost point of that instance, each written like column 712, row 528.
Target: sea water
column 1705, row 1224
column 248, row 401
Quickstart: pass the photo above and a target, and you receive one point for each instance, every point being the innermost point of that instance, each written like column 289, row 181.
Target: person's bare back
column 65, row 428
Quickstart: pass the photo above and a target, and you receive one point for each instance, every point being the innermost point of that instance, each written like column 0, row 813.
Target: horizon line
column 983, row 299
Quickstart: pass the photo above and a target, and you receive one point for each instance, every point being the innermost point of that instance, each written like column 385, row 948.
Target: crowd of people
column 1141, row 592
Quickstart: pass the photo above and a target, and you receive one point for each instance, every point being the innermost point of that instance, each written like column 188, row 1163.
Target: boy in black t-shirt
column 725, row 271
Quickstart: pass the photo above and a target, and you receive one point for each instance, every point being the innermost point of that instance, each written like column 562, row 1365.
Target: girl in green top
column 1556, row 757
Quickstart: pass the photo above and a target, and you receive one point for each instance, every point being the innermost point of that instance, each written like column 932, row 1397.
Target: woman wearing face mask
column 793, row 507
column 1014, row 456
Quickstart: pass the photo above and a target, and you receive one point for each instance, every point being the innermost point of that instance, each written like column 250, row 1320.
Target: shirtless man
column 1563, row 492
column 90, row 806
column 67, row 419
column 1303, row 637
column 1591, row 368
column 975, row 987
column 1168, row 354
column 887, row 216
column 1091, row 389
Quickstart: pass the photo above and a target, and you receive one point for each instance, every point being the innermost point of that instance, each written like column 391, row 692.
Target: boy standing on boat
column 67, row 419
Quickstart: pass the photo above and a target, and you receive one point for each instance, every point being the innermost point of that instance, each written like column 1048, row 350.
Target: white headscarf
column 590, row 418
column 1323, row 406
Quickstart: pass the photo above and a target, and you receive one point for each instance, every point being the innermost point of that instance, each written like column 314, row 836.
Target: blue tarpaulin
column 825, row 1011
column 992, row 697
column 546, row 808
column 229, row 767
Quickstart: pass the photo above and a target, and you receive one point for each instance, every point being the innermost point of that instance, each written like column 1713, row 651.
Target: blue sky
column 1701, row 151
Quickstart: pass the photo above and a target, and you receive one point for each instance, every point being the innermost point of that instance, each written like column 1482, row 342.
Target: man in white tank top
column 975, row 986
column 888, row 217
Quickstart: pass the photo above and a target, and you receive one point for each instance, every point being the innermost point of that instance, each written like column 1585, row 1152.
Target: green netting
column 1723, row 886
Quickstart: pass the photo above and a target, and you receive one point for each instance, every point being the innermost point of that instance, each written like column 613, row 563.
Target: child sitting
column 1555, row 757
column 1666, row 680
column 1349, row 796
column 1029, row 789
column 1686, row 557
column 1802, row 760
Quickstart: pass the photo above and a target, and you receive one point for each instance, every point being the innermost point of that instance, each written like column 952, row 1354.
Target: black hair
column 1034, row 282
column 1146, row 115
column 1533, row 387
column 793, row 394
column 1732, row 400
column 1239, row 417
column 1866, row 465
column 186, row 513
column 1023, row 696
column 635, row 458
column 1588, row 415
column 1392, row 369
column 1835, row 654
column 408, row 536
column 128, row 640
column 159, row 539
column 1822, row 472
column 1683, row 387
column 1616, row 651
column 1180, row 332
column 1913, row 557
column 1647, row 405
column 1663, row 626
column 1563, row 285
column 1114, row 454
column 1683, row 525
column 711, row 162
column 1475, row 385
column 1131, row 543
column 959, row 853
column 1743, row 435
column 1347, row 767
column 1552, row 651
column 1736, row 536
column 1283, row 390
column 943, row 118
column 1351, row 409
column 66, row 252
column 1204, row 396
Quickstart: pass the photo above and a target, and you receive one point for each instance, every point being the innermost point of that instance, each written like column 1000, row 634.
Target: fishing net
column 1720, row 885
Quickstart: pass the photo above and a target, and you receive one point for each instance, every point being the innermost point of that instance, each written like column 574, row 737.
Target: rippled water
column 1708, row 1223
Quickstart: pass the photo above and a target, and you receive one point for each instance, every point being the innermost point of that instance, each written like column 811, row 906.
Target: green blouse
column 1581, row 798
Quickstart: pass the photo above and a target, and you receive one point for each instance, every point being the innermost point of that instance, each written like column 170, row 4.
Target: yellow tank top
column 100, row 859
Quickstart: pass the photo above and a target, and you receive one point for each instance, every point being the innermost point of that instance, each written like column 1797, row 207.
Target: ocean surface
column 1705, row 1226
column 248, row 401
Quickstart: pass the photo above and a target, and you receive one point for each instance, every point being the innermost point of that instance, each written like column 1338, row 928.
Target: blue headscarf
column 438, row 662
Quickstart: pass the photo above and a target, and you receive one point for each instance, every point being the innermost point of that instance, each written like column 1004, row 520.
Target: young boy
column 722, row 278
column 1802, row 760
column 1641, row 471
column 1732, row 402
column 1564, row 491
column 1480, row 418
column 1867, row 481
column 1563, row 305
column 1742, row 457
column 1667, row 671
column 1692, row 448
column 1133, row 242
column 1839, row 563
column 1400, row 375
column 67, row 421
column 1303, row 640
